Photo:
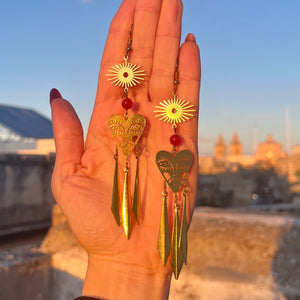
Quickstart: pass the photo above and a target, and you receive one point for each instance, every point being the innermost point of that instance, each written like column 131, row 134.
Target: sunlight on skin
column 82, row 178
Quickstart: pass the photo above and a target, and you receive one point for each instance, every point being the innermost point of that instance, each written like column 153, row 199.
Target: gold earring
column 174, row 167
column 127, row 131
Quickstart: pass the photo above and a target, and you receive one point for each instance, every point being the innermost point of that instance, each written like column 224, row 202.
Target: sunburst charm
column 174, row 111
column 126, row 75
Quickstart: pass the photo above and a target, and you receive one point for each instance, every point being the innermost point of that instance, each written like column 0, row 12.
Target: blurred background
column 245, row 235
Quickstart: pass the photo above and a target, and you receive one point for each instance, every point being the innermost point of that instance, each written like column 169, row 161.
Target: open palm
column 83, row 174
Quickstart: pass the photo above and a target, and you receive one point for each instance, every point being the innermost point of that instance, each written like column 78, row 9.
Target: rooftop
column 25, row 122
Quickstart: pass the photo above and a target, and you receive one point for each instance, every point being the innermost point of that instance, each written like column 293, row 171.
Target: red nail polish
column 190, row 38
column 54, row 94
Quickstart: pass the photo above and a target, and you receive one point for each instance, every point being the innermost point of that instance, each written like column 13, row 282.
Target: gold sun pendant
column 174, row 111
column 126, row 74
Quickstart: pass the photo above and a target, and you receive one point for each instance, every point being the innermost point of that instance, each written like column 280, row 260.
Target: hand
column 83, row 175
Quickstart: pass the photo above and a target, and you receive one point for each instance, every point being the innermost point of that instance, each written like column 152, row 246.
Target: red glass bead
column 175, row 140
column 127, row 103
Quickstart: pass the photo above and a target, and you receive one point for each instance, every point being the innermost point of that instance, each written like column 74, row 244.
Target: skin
column 83, row 175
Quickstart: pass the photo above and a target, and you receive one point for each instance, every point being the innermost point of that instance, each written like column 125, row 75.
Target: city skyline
column 255, row 143
column 249, row 53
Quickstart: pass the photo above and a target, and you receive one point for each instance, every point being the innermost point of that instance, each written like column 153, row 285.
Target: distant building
column 235, row 147
column 294, row 167
column 220, row 148
column 268, row 152
column 24, row 130
column 236, row 159
column 222, row 162
column 271, row 176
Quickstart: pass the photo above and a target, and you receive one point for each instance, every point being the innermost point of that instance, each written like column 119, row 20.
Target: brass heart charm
column 174, row 168
column 127, row 132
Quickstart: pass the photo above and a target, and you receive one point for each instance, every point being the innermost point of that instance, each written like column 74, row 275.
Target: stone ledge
column 25, row 273
column 248, row 245
column 26, row 159
column 232, row 256
column 26, row 227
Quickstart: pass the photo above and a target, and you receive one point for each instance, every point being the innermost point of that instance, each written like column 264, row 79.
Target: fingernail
column 54, row 94
column 190, row 38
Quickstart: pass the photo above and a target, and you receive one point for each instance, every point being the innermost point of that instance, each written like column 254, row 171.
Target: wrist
column 121, row 281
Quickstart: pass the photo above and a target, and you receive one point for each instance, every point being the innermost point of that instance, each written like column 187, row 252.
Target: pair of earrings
column 174, row 166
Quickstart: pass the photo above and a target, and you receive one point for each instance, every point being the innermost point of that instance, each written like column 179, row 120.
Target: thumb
column 68, row 137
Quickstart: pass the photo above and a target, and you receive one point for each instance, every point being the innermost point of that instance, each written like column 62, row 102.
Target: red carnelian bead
column 175, row 140
column 127, row 103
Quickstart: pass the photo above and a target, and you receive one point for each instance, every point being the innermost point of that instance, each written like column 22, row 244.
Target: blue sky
column 250, row 53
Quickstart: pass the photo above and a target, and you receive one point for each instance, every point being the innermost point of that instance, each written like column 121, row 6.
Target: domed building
column 268, row 152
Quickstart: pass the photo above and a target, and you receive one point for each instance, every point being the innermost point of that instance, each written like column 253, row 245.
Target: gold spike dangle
column 176, row 255
column 125, row 213
column 174, row 167
column 164, row 240
column 183, row 243
column 127, row 131
column 135, row 201
column 115, row 194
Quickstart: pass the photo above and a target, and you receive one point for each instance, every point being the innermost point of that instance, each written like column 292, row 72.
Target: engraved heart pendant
column 127, row 132
column 174, row 167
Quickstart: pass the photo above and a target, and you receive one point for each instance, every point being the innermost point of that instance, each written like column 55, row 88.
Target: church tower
column 220, row 148
column 235, row 148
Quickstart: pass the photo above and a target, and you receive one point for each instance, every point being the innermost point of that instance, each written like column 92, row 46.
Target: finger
column 115, row 47
column 145, row 26
column 68, row 137
column 114, row 51
column 189, row 70
column 166, row 50
column 144, row 14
